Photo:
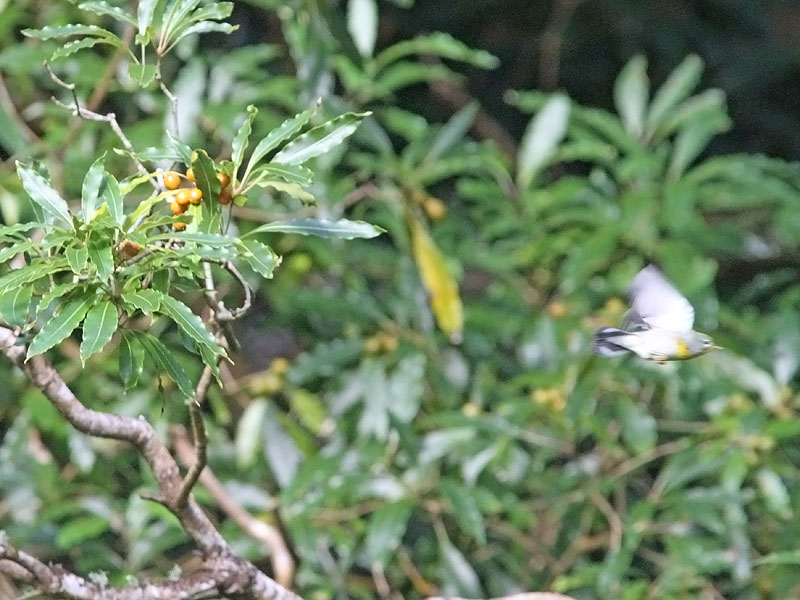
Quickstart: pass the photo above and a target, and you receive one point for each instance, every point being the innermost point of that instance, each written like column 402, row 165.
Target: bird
column 658, row 325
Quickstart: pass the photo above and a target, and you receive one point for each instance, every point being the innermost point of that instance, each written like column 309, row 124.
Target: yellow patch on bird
column 683, row 350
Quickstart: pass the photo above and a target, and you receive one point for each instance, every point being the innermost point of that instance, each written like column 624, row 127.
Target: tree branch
column 282, row 562
column 224, row 573
column 200, row 438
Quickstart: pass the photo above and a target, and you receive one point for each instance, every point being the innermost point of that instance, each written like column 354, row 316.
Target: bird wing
column 657, row 304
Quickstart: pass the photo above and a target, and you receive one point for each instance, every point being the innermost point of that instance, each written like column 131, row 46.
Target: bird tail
column 610, row 342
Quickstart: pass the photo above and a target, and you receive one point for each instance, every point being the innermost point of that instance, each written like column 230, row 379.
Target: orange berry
column 183, row 197
column 195, row 196
column 224, row 180
column 190, row 175
column 172, row 181
column 179, row 226
column 434, row 208
column 225, row 197
column 177, row 209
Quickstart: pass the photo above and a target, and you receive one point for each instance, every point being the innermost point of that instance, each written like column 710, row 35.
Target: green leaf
column 146, row 301
column 453, row 131
column 14, row 305
column 205, row 27
column 286, row 130
column 166, row 362
column 113, row 198
column 43, row 194
column 320, row 139
column 789, row 557
column 362, row 24
column 144, row 15
column 289, row 173
column 98, row 328
column 692, row 140
column 91, row 188
column 99, row 7
column 73, row 46
column 31, row 273
column 215, row 11
column 205, row 176
column 11, row 251
column 290, row 189
column 458, row 571
column 77, row 256
column 676, row 88
column 62, row 31
column 184, row 151
column 241, row 139
column 207, row 239
column 56, row 292
column 188, row 322
column 440, row 44
column 386, row 528
column 260, row 257
column 325, row 228
column 131, row 360
column 61, row 325
column 248, row 433
column 541, row 139
column 102, row 258
column 144, row 75
column 464, row 509
column 631, row 91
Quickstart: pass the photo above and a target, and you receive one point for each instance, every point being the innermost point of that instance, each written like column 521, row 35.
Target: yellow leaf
column 438, row 281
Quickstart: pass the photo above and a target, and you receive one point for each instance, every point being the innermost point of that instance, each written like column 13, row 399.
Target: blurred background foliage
column 421, row 413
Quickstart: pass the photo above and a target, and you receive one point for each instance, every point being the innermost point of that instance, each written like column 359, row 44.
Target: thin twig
column 173, row 103
column 200, row 438
column 221, row 312
column 614, row 521
column 282, row 562
column 551, row 42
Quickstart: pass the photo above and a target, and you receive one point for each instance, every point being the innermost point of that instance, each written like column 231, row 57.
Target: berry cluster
column 191, row 195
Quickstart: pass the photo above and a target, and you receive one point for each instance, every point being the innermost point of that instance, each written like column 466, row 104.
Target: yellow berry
column 172, row 181
column 195, row 196
column 224, row 180
column 177, row 209
column 183, row 197
column 179, row 226
column 190, row 175
column 434, row 208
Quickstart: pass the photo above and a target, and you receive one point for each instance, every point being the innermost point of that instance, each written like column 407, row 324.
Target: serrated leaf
column 320, row 139
column 11, row 251
column 146, row 301
column 184, row 151
column 91, row 188
column 289, row 173
column 214, row 11
column 143, row 74
column 386, row 528
column 99, row 7
column 205, row 176
column 188, row 322
column 207, row 239
column 102, row 257
column 205, row 27
column 31, row 273
column 15, row 230
column 631, row 90
column 440, row 44
column 56, row 292
column 240, row 141
column 43, row 194
column 440, row 284
column 14, row 305
column 166, row 362
column 144, row 15
column 113, row 198
column 292, row 190
column 362, row 24
column 98, row 328
column 541, row 139
column 77, row 256
column 73, row 46
column 325, row 228
column 61, row 325
column 260, row 257
column 286, row 130
column 61, row 31
column 131, row 360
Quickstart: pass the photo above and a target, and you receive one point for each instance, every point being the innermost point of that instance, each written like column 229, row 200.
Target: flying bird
column 659, row 323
